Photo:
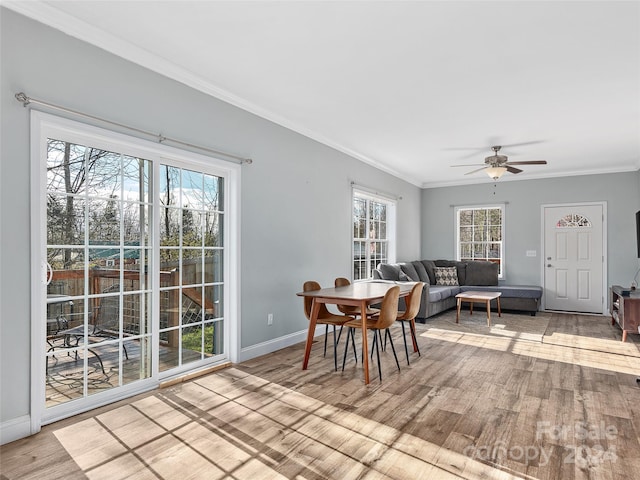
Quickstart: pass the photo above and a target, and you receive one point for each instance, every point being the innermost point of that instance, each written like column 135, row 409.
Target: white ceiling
column 410, row 87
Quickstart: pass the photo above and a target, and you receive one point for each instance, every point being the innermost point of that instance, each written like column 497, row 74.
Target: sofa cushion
column 481, row 273
column 389, row 271
column 508, row 291
column 422, row 272
column 460, row 266
column 430, row 267
column 403, row 277
column 446, row 276
column 442, row 292
column 410, row 270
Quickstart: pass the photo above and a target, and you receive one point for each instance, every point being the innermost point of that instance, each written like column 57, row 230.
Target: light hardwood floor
column 472, row 406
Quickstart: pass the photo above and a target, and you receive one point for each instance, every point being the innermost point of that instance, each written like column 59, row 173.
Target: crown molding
column 48, row 15
column 538, row 176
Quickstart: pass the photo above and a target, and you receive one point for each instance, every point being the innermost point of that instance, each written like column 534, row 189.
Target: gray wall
column 523, row 222
column 295, row 214
column 295, row 211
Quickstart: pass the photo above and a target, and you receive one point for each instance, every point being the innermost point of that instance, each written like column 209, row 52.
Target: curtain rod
column 25, row 100
column 375, row 191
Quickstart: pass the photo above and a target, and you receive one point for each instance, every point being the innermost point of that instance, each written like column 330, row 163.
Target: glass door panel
column 99, row 254
column 191, row 275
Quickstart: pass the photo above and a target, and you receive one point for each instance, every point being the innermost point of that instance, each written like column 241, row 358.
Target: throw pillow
column 446, row 276
column 461, row 266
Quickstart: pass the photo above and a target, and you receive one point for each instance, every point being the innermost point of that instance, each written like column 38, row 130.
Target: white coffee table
column 478, row 297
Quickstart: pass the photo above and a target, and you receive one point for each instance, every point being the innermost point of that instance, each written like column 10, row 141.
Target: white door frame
column 605, row 255
column 42, row 124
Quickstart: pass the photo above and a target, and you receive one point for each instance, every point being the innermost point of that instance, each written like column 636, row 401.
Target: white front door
column 574, row 258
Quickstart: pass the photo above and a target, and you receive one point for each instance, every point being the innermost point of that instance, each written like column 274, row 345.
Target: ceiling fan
column 496, row 165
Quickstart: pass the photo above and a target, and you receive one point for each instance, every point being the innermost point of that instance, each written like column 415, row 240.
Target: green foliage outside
column 192, row 340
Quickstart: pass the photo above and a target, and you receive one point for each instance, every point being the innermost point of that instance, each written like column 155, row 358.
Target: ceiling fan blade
column 509, row 145
column 529, row 162
column 474, row 152
column 468, row 165
column 513, row 169
column 474, row 171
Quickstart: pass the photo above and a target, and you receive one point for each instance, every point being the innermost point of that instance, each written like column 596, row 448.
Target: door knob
column 549, row 265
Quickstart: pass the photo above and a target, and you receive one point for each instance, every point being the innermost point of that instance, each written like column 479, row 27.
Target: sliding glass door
column 135, row 266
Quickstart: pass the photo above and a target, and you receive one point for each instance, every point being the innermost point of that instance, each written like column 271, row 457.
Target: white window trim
column 456, row 222
column 391, row 223
column 43, row 126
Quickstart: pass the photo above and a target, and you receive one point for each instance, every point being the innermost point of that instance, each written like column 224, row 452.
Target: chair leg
column 404, row 337
column 346, row 346
column 375, row 344
column 340, row 333
column 326, row 333
column 335, row 350
column 379, row 335
column 99, row 360
column 353, row 342
column 393, row 348
column 412, row 326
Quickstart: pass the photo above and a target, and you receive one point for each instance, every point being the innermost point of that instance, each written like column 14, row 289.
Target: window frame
column 458, row 252
column 44, row 126
column 390, row 240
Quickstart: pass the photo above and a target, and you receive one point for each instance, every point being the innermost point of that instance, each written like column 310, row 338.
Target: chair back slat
column 346, row 309
column 311, row 286
column 108, row 318
column 413, row 302
column 388, row 309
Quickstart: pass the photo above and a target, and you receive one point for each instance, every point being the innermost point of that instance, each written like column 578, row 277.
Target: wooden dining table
column 360, row 294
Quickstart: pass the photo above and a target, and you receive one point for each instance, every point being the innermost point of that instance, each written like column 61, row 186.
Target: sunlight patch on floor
column 622, row 358
column 237, row 425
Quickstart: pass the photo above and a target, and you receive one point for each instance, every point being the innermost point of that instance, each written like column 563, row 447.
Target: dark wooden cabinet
column 625, row 309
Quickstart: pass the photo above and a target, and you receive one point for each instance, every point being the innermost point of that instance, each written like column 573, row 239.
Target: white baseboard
column 15, row 429
column 20, row 427
column 276, row 344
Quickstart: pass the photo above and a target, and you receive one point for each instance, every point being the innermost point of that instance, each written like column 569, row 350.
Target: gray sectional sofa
column 444, row 279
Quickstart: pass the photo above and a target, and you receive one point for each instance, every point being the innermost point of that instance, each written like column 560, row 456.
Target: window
column 480, row 234
column 573, row 220
column 373, row 233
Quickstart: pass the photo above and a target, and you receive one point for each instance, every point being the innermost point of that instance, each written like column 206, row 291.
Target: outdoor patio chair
column 106, row 324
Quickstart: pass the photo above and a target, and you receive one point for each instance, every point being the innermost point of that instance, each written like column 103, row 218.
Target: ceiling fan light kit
column 495, row 172
column 496, row 165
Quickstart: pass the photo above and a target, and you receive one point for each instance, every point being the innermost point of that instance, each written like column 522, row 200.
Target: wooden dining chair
column 351, row 309
column 354, row 311
column 409, row 315
column 386, row 318
column 325, row 317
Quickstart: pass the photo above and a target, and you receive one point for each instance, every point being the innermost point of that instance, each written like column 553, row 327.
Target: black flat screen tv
column 638, row 231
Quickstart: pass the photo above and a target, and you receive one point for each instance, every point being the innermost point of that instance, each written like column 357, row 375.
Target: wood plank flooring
column 472, row 406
